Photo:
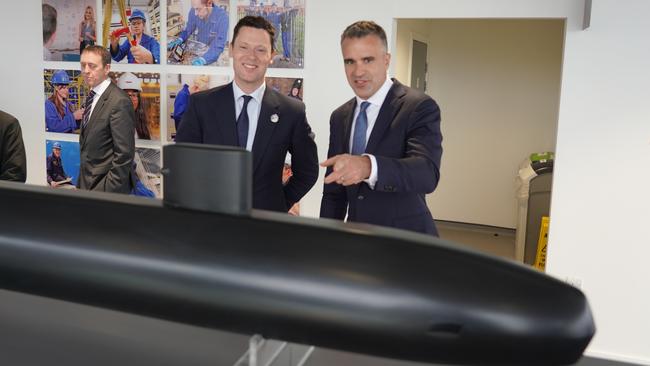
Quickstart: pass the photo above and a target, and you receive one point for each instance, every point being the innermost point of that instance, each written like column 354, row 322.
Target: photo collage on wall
column 159, row 72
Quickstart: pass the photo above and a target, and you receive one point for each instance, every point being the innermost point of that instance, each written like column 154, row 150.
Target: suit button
column 388, row 188
column 360, row 197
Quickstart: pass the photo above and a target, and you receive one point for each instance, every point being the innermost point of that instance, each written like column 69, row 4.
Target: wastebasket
column 534, row 182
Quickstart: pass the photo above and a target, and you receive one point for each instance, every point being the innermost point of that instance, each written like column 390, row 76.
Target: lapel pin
column 275, row 118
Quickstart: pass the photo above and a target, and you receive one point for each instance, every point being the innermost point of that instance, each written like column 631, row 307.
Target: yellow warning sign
column 542, row 243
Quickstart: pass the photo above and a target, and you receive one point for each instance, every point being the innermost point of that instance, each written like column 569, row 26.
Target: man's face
column 201, row 10
column 251, row 55
column 92, row 69
column 56, row 152
column 366, row 63
column 137, row 26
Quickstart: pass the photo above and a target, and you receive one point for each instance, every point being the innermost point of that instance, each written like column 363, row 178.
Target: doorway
column 497, row 82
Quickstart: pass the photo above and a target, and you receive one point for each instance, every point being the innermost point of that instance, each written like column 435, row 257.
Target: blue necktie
column 87, row 107
column 242, row 122
column 360, row 128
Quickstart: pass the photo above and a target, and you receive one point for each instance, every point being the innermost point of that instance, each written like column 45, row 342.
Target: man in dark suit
column 13, row 163
column 247, row 114
column 107, row 139
column 385, row 144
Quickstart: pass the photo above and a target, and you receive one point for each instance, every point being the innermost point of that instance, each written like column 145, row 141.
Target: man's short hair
column 255, row 22
column 49, row 22
column 101, row 51
column 365, row 28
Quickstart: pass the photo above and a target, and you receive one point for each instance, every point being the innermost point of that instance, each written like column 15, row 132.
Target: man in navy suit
column 385, row 144
column 246, row 113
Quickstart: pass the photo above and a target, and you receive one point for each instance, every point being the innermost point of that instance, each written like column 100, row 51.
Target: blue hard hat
column 60, row 77
column 137, row 14
column 56, row 145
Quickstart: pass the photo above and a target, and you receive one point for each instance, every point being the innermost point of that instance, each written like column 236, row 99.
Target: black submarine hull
column 358, row 288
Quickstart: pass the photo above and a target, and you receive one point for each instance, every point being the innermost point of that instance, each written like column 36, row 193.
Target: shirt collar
column 257, row 94
column 99, row 89
column 378, row 98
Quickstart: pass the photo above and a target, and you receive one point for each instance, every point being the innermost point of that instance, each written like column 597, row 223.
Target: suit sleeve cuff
column 372, row 179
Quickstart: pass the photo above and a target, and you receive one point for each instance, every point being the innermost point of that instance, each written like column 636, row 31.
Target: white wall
column 509, row 72
column 600, row 208
column 600, row 204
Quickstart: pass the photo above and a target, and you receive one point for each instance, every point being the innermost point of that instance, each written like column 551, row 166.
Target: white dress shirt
column 254, row 107
column 372, row 111
column 99, row 90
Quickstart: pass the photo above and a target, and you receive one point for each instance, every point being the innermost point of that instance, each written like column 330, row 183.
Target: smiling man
column 385, row 143
column 106, row 141
column 247, row 114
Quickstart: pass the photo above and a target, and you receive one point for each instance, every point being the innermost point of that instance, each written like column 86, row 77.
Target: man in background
column 13, row 162
column 107, row 139
column 200, row 83
column 385, row 143
column 49, row 30
column 56, row 176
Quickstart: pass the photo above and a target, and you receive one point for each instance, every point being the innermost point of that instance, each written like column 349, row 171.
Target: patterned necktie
column 360, row 128
column 242, row 122
column 87, row 107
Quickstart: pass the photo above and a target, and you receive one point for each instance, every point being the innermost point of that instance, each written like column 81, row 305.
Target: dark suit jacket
column 406, row 142
column 210, row 119
column 13, row 163
column 107, row 144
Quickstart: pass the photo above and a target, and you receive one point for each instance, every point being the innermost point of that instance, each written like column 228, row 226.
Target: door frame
column 420, row 38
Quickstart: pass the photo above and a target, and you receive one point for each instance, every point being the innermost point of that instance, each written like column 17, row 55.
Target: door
column 419, row 66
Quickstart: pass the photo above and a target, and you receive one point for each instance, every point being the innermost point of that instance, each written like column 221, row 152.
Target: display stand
column 269, row 352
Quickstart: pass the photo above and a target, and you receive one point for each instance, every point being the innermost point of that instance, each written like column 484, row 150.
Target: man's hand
column 199, row 61
column 173, row 43
column 141, row 55
column 347, row 169
column 295, row 209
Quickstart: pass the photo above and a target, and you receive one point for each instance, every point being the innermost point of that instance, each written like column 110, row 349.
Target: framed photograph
column 197, row 32
column 288, row 86
column 65, row 94
column 288, row 19
column 62, row 163
column 179, row 89
column 147, row 172
column 143, row 88
column 133, row 37
column 68, row 27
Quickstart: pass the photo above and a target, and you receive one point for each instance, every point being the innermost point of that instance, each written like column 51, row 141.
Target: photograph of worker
column 65, row 94
column 146, row 164
column 143, row 88
column 62, row 164
column 197, row 32
column 287, row 86
column 131, row 31
column 288, row 19
column 179, row 89
column 68, row 27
